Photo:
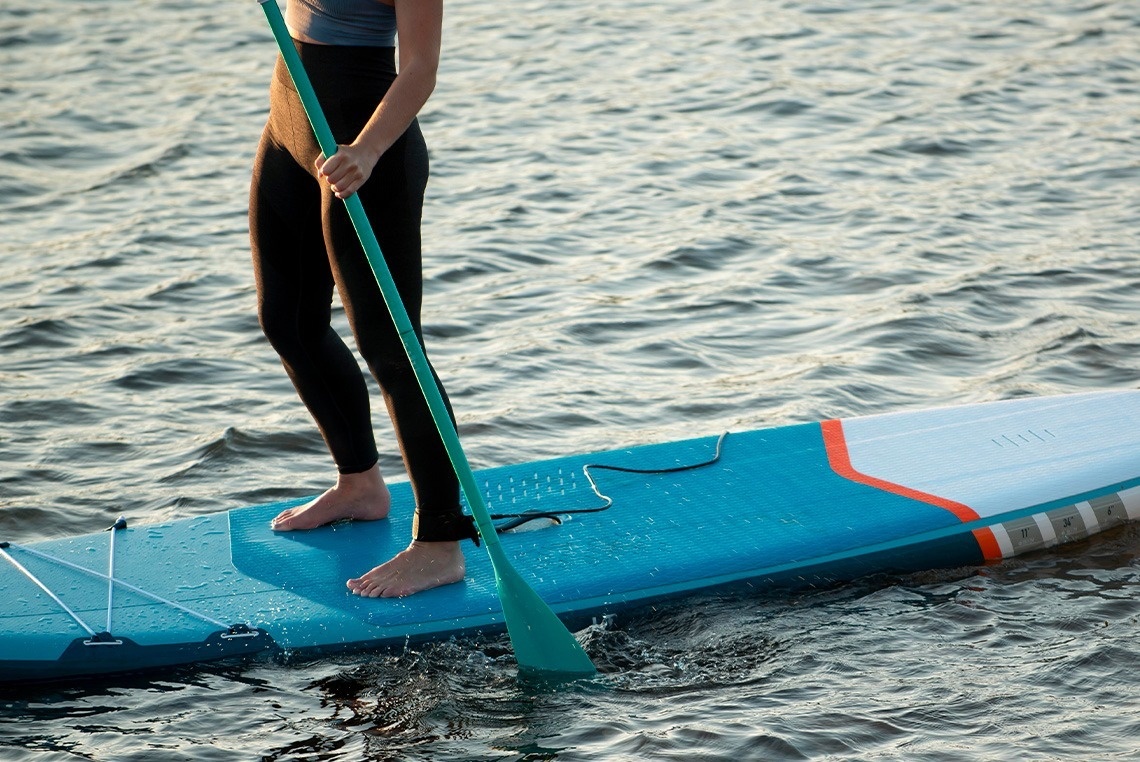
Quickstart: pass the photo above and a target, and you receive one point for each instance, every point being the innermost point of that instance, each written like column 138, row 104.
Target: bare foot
column 362, row 496
column 422, row 566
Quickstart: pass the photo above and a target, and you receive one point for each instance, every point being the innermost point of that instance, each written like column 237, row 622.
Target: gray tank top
column 343, row 22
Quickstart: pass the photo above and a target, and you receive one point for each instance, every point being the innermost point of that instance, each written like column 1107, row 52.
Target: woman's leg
column 393, row 198
column 294, row 283
column 394, row 207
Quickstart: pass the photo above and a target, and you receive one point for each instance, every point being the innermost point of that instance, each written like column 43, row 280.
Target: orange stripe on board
column 991, row 551
column 840, row 460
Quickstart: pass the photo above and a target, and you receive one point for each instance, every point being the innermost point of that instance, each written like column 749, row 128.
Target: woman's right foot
column 363, row 497
column 422, row 566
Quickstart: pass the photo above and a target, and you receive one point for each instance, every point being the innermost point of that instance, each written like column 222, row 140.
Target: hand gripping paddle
column 541, row 642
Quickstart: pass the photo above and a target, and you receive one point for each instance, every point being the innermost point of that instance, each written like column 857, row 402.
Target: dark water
column 647, row 220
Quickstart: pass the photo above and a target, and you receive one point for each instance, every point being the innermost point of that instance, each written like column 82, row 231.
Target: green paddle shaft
column 541, row 642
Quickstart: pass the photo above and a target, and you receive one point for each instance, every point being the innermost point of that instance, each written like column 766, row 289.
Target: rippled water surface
column 647, row 220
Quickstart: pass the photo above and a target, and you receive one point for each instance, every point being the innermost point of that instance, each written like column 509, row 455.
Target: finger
column 329, row 167
column 336, row 167
column 340, row 171
column 347, row 184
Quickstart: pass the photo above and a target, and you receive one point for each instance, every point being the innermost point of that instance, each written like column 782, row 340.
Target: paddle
column 541, row 642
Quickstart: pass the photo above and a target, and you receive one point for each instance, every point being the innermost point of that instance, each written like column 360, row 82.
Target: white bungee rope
column 4, row 549
column 231, row 631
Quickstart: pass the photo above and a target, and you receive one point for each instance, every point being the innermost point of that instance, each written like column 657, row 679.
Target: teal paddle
column 541, row 642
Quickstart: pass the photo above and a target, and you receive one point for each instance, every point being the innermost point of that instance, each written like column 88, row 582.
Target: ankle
column 363, row 482
column 441, row 549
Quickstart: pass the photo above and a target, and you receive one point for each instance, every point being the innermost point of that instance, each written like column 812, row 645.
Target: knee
column 279, row 331
column 388, row 361
column 391, row 370
column 289, row 331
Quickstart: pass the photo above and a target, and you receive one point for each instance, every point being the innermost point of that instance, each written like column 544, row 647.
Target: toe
column 372, row 591
column 280, row 522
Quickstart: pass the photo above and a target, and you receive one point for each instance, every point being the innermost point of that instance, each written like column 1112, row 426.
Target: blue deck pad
column 312, row 607
column 771, row 500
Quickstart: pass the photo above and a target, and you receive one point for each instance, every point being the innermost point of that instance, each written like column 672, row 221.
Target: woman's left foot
column 421, row 566
column 363, row 497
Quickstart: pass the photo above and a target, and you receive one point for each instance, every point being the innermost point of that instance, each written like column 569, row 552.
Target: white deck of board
column 999, row 456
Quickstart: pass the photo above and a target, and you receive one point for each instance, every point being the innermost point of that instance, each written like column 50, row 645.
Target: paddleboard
column 801, row 505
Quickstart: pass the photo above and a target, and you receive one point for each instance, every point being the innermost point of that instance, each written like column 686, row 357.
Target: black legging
column 304, row 244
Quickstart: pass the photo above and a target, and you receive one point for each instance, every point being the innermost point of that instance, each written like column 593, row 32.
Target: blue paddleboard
column 808, row 504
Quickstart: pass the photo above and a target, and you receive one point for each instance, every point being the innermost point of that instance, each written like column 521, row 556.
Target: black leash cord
column 518, row 519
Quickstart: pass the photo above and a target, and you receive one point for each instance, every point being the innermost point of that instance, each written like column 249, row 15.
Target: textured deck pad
column 308, row 569
column 770, row 500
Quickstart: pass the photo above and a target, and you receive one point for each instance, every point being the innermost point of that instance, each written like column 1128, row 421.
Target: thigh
column 393, row 201
column 291, row 266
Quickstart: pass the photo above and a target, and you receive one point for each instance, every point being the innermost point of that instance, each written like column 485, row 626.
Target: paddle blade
column 542, row 644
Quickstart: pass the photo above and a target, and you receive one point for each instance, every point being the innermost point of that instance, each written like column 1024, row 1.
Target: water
column 647, row 220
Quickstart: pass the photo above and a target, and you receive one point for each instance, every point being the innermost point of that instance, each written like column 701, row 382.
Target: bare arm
column 418, row 26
